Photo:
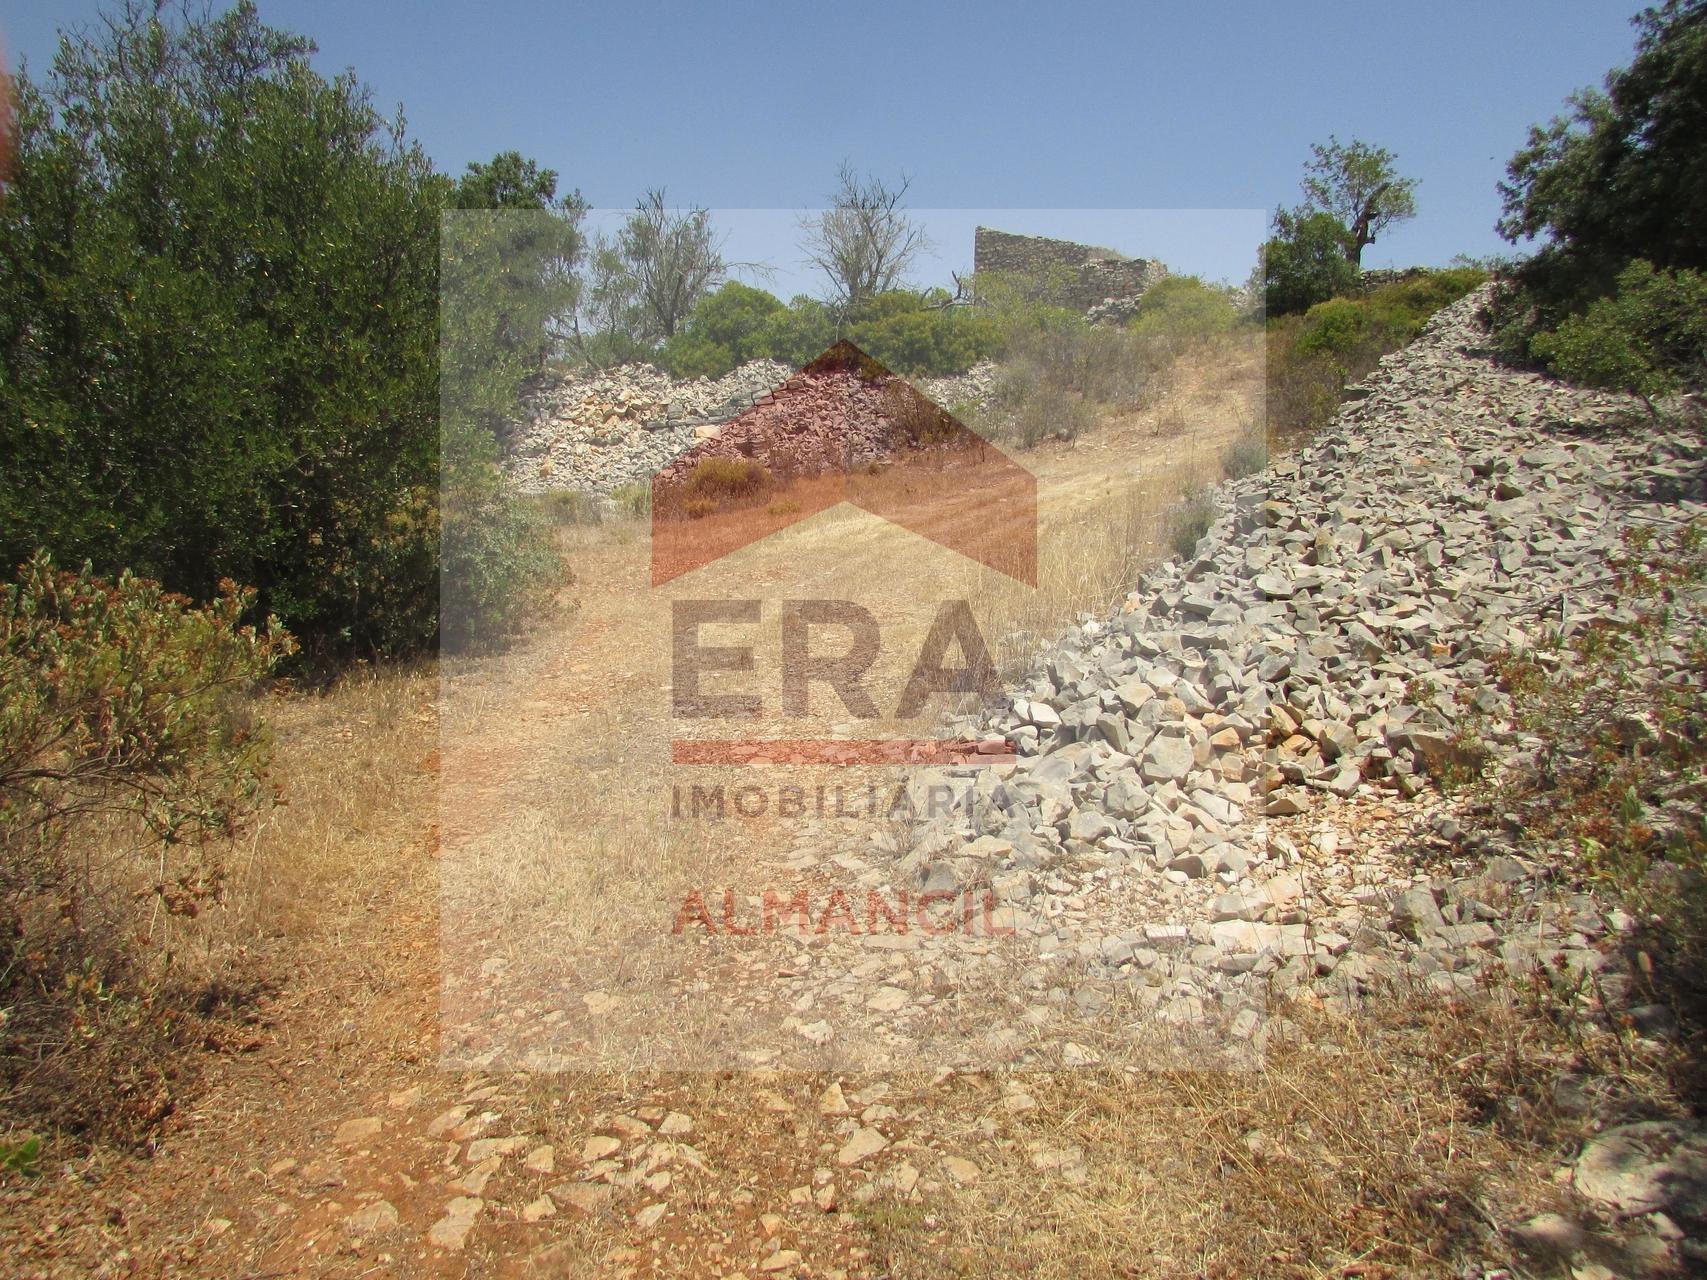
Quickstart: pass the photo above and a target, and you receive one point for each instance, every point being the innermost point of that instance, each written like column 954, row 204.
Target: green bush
column 799, row 333
column 127, row 755
column 917, row 335
column 232, row 367
column 1616, row 180
column 1191, row 520
column 1313, row 357
column 498, row 566
column 1306, row 263
column 1182, row 310
column 913, row 333
column 1620, row 177
column 725, row 330
column 227, row 371
column 1648, row 338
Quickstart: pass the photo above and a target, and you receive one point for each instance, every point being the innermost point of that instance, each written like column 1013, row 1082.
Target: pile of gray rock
column 1222, row 788
column 600, row 431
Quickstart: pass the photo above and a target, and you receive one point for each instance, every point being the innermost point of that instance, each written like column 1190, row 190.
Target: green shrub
column 497, row 563
column 1312, row 358
column 232, row 368
column 800, row 333
column 1648, row 338
column 228, row 370
column 725, row 330
column 1191, row 520
column 128, row 754
column 632, row 500
column 1183, row 310
column 917, row 335
column 1306, row 263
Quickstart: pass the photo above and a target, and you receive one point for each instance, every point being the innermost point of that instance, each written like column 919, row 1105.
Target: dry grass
column 1395, row 1143
column 1387, row 1143
column 348, row 770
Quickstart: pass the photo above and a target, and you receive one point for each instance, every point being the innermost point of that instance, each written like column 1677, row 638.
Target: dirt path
column 341, row 1146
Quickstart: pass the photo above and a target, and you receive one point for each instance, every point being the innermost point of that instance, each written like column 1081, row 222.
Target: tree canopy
column 1622, row 175
column 1306, row 262
column 219, row 326
column 1359, row 185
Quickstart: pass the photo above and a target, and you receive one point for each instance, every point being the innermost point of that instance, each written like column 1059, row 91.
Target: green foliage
column 1312, row 358
column 800, row 333
column 728, row 328
column 508, row 181
column 1620, row 178
column 505, row 276
column 1306, row 262
column 1022, row 305
column 1623, row 175
column 231, row 368
column 22, row 1156
column 913, row 333
column 227, row 371
column 122, row 707
column 1183, row 311
column 1649, row 337
column 498, row 565
column 919, row 335
column 1357, row 185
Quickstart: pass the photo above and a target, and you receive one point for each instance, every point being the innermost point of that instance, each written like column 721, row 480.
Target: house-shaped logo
column 844, row 429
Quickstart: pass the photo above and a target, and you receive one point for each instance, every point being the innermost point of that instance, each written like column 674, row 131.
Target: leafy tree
column 1308, row 261
column 918, row 335
column 1624, row 174
column 1359, row 186
column 864, row 243
column 727, row 328
column 801, row 332
column 508, row 181
column 217, row 288
column 219, row 277
column 507, row 274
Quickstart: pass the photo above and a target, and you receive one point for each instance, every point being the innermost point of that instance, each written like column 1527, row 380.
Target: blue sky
column 992, row 107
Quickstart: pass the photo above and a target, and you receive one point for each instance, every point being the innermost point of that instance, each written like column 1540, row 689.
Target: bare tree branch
column 864, row 242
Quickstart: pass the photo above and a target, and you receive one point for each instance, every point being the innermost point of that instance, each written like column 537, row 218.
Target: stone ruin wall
column 1092, row 275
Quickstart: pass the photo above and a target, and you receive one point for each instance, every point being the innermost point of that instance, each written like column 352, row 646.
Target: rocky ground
column 1307, row 671
column 1226, row 791
column 598, row 432
column 1229, row 790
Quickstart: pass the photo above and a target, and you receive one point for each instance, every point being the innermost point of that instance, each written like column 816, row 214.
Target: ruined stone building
column 1086, row 278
